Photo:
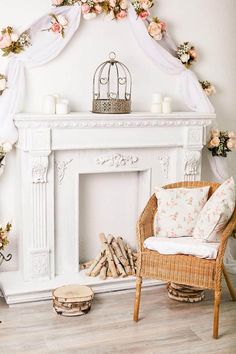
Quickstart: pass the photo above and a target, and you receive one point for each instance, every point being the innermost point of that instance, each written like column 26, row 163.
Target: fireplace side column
column 38, row 201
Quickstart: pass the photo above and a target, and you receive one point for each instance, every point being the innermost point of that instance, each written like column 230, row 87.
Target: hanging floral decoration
column 142, row 8
column 208, row 87
column 156, row 28
column 221, row 142
column 187, row 54
column 4, row 235
column 58, row 24
column 4, row 149
column 3, row 83
column 11, row 42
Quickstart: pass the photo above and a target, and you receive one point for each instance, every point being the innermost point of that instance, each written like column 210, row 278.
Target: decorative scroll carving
column 61, row 169
column 164, row 162
column 191, row 164
column 116, row 123
column 39, row 264
column 117, row 160
column 39, row 169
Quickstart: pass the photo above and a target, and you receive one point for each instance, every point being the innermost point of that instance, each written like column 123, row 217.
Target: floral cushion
column 216, row 213
column 178, row 210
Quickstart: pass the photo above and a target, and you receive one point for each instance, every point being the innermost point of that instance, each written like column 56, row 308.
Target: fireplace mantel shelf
column 91, row 120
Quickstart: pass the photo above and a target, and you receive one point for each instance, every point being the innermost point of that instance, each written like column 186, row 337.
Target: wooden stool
column 72, row 300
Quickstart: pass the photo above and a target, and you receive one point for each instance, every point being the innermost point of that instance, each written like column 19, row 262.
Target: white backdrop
column 209, row 25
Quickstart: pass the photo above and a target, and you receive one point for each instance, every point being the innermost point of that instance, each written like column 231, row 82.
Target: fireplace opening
column 109, row 203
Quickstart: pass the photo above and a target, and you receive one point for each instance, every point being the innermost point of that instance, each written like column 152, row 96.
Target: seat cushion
column 216, row 213
column 182, row 245
column 178, row 210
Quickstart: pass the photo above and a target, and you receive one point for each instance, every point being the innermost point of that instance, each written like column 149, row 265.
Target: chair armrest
column 228, row 231
column 145, row 222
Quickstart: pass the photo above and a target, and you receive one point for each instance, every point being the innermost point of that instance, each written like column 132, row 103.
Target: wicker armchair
column 182, row 269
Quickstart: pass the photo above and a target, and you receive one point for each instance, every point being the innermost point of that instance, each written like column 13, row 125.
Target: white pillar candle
column 156, row 98
column 49, row 104
column 156, row 108
column 62, row 107
column 166, row 106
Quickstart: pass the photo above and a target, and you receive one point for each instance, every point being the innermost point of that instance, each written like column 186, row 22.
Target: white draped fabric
column 161, row 53
column 45, row 47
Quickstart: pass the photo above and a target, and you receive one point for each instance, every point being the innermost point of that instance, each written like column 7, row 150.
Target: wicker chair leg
column 137, row 298
column 216, row 313
column 229, row 284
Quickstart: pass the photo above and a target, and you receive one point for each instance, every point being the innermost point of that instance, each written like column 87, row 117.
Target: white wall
column 209, row 24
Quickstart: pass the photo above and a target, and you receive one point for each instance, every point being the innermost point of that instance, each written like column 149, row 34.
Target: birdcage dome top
column 112, row 86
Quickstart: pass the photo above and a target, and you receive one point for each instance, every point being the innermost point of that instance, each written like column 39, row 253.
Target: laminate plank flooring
column 165, row 326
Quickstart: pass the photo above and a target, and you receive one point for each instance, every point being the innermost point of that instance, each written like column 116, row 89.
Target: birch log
column 109, row 255
column 103, row 272
column 95, row 262
column 96, row 270
column 123, row 260
column 119, row 266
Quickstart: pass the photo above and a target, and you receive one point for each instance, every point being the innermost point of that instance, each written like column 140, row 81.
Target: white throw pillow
column 178, row 210
column 216, row 213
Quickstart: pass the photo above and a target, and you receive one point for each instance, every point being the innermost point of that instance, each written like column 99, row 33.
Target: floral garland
column 221, row 142
column 11, row 42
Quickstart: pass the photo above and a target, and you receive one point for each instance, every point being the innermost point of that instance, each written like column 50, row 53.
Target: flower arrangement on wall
column 58, row 24
column 186, row 52
column 4, row 149
column 221, row 142
column 4, row 235
column 11, row 42
column 208, row 88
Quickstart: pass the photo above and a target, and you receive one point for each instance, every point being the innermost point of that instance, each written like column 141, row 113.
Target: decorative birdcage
column 112, row 87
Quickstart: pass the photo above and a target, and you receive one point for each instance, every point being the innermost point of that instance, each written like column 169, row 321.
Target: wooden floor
column 165, row 326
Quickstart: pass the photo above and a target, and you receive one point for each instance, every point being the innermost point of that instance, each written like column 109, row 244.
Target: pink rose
column 57, row 2
column 163, row 25
column 193, row 53
column 143, row 15
column 230, row 144
column 232, row 135
column 215, row 142
column 5, row 41
column 112, row 3
column 85, row 9
column 56, row 27
column 98, row 8
column 154, row 29
column 121, row 15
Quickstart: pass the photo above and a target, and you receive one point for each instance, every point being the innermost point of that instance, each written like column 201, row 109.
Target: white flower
column 3, row 84
column 7, row 147
column 185, row 58
column 89, row 16
column 62, row 20
column 14, row 37
column 158, row 36
column 123, row 4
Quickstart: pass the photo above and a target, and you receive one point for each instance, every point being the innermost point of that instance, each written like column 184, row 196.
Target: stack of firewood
column 115, row 259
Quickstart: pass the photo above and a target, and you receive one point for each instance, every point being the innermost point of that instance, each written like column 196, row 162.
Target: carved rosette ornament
column 117, row 160
column 191, row 164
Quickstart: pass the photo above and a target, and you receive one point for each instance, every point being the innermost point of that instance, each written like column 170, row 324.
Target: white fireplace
column 82, row 174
